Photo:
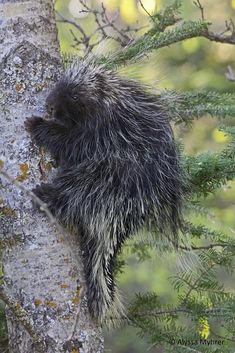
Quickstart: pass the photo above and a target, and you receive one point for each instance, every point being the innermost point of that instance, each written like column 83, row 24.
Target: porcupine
column 119, row 169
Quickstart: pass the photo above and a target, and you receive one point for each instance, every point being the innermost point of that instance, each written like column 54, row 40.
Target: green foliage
column 168, row 17
column 207, row 172
column 154, row 39
column 187, row 106
column 202, row 306
column 158, row 36
column 202, row 300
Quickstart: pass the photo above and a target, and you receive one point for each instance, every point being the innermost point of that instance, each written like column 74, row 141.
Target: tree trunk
column 42, row 265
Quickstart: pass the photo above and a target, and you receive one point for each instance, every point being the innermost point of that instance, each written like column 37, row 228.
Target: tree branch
column 205, row 247
column 221, row 38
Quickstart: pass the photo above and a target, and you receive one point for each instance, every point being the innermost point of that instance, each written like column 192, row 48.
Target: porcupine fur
column 118, row 168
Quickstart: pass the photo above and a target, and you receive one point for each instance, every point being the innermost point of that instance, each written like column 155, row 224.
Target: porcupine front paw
column 43, row 193
column 32, row 124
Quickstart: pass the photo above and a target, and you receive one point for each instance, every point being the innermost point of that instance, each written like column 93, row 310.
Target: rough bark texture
column 42, row 265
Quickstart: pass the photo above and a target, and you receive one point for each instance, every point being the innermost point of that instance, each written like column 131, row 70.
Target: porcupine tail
column 103, row 299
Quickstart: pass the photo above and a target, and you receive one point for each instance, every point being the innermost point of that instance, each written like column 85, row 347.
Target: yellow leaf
column 204, row 328
column 233, row 3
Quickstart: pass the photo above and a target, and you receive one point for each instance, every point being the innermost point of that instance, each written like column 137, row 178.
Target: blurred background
column 194, row 64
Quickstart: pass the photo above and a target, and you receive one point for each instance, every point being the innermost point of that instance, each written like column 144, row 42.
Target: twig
column 176, row 311
column 85, row 39
column 180, row 310
column 204, row 247
column 81, row 292
column 103, row 26
column 200, row 7
column 85, row 6
column 189, row 348
column 193, row 286
column 229, row 26
column 74, row 23
column 222, row 337
column 112, row 25
column 145, row 10
column 216, row 37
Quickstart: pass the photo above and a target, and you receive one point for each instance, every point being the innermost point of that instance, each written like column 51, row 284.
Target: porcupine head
column 119, row 170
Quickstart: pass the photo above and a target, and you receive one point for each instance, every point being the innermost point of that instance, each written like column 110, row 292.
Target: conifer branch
column 203, row 247
column 184, row 107
column 154, row 40
column 221, row 38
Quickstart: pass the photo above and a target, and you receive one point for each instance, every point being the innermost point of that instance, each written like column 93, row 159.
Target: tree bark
column 43, row 278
